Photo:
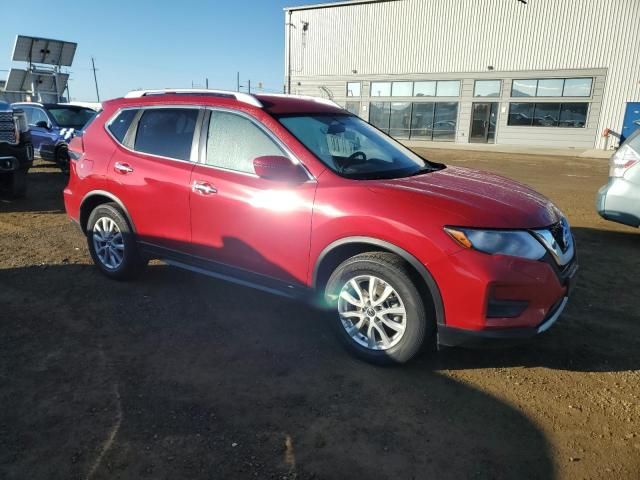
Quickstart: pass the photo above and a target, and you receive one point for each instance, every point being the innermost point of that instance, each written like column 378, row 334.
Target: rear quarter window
column 119, row 125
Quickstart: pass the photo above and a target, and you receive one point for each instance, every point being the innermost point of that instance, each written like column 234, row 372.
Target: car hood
column 474, row 198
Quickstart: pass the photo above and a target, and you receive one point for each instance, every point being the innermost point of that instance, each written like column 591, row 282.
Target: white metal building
column 549, row 73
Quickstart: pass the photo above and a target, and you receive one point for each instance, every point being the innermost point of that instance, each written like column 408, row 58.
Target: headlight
column 499, row 242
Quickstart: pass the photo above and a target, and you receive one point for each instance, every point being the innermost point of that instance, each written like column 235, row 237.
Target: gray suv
column 619, row 199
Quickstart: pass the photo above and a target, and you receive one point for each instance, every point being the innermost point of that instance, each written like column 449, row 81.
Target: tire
column 62, row 158
column 112, row 243
column 409, row 331
column 17, row 184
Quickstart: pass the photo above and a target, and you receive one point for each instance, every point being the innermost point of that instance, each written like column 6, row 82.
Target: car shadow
column 182, row 376
column 44, row 192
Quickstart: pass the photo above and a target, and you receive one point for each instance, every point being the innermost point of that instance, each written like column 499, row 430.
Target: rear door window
column 166, row 132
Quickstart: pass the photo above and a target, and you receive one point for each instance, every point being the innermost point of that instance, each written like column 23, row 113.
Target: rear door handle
column 203, row 187
column 123, row 168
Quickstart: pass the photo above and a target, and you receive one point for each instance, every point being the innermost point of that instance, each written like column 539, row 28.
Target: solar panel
column 44, row 50
column 21, row 81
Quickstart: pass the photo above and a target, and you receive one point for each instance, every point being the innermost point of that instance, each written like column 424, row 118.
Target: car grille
column 7, row 128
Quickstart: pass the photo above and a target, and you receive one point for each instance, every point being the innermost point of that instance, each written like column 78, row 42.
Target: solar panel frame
column 20, row 80
column 44, row 51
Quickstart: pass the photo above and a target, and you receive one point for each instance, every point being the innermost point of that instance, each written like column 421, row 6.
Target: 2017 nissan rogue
column 298, row 197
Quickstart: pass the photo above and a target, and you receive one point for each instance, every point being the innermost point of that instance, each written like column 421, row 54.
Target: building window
column 402, row 89
column 426, row 121
column 400, row 119
column 444, row 121
column 486, row 88
column 552, row 87
column 449, row 88
column 546, row 114
column 352, row 107
column 424, row 89
column 353, row 89
column 380, row 89
column 577, row 87
column 524, row 88
column 520, row 114
column 422, row 120
column 380, row 115
column 572, row 115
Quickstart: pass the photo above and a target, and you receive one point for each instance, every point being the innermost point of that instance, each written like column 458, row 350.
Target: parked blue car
column 52, row 126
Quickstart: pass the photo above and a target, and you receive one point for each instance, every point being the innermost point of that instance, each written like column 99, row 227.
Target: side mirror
column 43, row 124
column 278, row 168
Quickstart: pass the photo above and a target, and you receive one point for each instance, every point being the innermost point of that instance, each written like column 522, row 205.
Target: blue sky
column 155, row 44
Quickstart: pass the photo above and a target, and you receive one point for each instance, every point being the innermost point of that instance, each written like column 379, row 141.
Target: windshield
column 71, row 117
column 352, row 148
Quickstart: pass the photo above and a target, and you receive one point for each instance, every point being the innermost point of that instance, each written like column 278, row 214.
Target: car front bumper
column 451, row 336
column 529, row 295
column 619, row 201
column 15, row 157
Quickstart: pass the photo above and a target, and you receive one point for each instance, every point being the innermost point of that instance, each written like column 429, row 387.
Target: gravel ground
column 180, row 376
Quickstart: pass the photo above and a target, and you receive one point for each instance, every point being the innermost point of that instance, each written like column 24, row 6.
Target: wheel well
column 61, row 146
column 92, row 202
column 330, row 261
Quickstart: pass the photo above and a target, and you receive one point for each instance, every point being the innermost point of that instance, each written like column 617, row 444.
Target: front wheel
column 380, row 314
column 62, row 159
column 112, row 245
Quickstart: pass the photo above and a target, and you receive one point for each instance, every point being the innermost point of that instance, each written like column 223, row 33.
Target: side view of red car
column 298, row 197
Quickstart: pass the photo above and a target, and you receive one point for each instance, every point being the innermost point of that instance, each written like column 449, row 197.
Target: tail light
column 621, row 161
column 76, row 148
column 19, row 124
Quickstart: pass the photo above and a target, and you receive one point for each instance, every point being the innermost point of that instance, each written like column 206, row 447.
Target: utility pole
column 238, row 82
column 206, row 82
column 289, row 24
column 249, row 85
column 95, row 78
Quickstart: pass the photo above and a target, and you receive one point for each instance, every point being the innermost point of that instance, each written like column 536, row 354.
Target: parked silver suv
column 619, row 199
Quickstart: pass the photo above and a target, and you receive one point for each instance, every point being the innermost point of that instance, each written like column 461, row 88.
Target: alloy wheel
column 372, row 312
column 108, row 243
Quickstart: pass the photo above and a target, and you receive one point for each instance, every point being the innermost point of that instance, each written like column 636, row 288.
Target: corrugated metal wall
column 442, row 36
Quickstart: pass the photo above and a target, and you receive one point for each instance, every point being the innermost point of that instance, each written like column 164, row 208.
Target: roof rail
column 241, row 97
column 324, row 101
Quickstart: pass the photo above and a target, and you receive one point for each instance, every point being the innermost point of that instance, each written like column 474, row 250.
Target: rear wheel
column 379, row 313
column 112, row 244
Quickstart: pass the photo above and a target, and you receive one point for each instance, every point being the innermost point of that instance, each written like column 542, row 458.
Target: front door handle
column 123, row 168
column 203, row 187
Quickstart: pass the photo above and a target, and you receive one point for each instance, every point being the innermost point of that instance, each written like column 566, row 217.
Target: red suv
column 298, row 197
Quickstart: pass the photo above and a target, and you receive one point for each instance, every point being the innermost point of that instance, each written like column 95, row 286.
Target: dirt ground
column 180, row 376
